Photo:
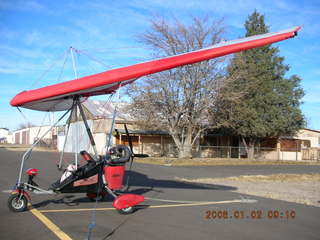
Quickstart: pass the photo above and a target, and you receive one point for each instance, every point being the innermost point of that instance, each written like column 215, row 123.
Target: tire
column 17, row 203
column 125, row 211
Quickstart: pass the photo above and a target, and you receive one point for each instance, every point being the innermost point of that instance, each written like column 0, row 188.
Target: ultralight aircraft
column 104, row 174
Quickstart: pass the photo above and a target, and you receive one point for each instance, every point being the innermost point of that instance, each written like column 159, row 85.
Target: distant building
column 310, row 137
column 5, row 135
column 31, row 134
column 310, row 144
column 305, row 145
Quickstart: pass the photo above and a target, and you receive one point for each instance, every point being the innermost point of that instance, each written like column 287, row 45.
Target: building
column 150, row 142
column 5, row 136
column 4, row 132
column 31, row 134
column 311, row 138
column 310, row 144
column 305, row 145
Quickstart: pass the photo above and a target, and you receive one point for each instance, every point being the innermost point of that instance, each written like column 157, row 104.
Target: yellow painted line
column 194, row 204
column 49, row 224
column 75, row 210
column 155, row 206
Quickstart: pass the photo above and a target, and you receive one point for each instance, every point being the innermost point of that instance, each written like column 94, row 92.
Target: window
column 290, row 145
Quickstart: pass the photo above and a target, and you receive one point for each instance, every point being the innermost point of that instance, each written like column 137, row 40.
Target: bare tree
column 179, row 100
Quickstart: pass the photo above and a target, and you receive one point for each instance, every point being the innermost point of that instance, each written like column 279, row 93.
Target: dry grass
column 23, row 148
column 216, row 162
column 298, row 188
column 288, row 177
column 180, row 162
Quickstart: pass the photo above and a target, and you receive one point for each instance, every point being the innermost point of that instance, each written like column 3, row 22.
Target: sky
column 36, row 36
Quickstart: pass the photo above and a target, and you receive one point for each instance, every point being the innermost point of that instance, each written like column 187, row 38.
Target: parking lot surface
column 216, row 213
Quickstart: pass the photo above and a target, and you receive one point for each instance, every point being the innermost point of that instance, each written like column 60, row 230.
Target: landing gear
column 127, row 210
column 17, row 202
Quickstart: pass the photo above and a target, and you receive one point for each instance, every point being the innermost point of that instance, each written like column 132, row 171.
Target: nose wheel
column 127, row 210
column 17, row 202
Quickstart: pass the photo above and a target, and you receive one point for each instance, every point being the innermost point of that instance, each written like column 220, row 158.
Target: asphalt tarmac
column 225, row 217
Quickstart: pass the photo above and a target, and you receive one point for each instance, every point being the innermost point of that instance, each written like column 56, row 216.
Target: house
column 310, row 144
column 310, row 137
column 305, row 145
column 150, row 142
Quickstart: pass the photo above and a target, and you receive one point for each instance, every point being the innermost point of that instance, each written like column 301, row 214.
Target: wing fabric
column 59, row 96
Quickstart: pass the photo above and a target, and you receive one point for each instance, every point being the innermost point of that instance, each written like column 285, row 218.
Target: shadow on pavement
column 138, row 184
column 150, row 184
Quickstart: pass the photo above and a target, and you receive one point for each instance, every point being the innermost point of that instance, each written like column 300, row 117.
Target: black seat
column 89, row 169
column 86, row 156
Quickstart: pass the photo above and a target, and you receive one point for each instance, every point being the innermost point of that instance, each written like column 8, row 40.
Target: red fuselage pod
column 127, row 200
column 114, row 176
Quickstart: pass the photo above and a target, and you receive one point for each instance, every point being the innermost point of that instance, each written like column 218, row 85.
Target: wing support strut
column 84, row 118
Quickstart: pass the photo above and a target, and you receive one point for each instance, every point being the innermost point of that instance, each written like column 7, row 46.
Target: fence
column 295, row 154
column 260, row 153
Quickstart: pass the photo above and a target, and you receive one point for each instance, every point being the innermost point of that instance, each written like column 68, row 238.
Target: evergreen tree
column 269, row 102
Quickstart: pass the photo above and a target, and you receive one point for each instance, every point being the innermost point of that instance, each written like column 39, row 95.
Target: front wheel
column 127, row 210
column 17, row 202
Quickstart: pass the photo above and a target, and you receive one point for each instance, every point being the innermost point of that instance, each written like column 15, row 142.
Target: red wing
column 58, row 97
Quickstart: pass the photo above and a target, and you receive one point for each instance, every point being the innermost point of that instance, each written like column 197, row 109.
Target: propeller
column 131, row 158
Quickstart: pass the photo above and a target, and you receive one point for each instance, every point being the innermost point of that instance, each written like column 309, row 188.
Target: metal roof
column 105, row 109
column 142, row 132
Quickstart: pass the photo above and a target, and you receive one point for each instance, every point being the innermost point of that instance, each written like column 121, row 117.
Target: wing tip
column 296, row 30
column 15, row 102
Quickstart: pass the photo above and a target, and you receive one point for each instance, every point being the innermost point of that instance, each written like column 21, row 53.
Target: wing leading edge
column 59, row 96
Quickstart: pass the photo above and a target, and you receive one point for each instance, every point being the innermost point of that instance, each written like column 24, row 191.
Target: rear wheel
column 17, row 202
column 127, row 210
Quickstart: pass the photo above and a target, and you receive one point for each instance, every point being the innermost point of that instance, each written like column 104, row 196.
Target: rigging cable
column 72, row 50
column 93, row 58
column 67, row 53
column 29, row 124
column 48, row 70
column 66, row 138
column 115, row 111
column 93, row 218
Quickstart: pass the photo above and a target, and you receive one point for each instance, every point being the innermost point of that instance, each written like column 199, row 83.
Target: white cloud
column 9, row 51
column 33, row 37
column 48, row 39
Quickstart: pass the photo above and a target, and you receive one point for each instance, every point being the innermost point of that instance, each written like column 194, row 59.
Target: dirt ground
column 218, row 161
column 299, row 188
